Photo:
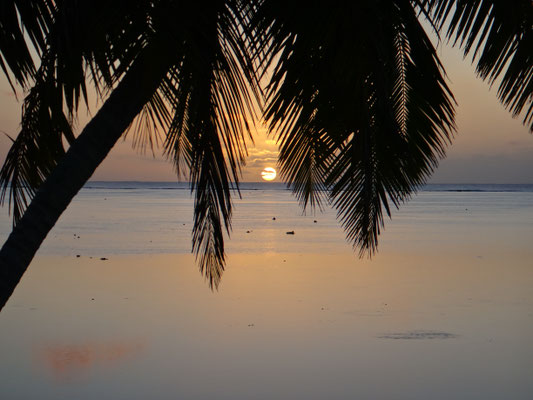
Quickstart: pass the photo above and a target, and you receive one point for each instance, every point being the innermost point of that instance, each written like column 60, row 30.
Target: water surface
column 444, row 310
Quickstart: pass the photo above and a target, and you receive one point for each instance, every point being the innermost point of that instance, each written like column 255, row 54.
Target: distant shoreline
column 430, row 187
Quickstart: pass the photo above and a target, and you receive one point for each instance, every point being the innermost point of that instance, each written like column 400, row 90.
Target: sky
column 489, row 145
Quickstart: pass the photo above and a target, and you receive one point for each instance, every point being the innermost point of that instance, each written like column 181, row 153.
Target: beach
column 113, row 305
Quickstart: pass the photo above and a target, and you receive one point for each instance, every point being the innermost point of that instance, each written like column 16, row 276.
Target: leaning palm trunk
column 77, row 166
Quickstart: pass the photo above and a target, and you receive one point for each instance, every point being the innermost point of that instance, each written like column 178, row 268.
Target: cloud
column 261, row 161
column 260, row 158
column 262, row 152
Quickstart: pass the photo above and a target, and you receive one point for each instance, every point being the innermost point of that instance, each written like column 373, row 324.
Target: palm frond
column 75, row 44
column 371, row 97
column 39, row 145
column 88, row 44
column 148, row 127
column 211, row 94
column 499, row 35
column 20, row 19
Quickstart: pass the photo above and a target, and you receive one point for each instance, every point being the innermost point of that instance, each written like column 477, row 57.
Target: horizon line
column 268, row 182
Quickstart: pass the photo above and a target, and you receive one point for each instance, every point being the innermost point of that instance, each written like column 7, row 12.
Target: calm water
column 444, row 310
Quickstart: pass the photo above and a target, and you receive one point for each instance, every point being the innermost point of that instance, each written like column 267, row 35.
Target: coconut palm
column 178, row 65
column 357, row 98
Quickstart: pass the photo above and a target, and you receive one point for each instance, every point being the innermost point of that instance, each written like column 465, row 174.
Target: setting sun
column 268, row 174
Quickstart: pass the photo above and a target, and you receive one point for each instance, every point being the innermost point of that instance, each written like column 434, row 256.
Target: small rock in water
column 273, row 219
column 419, row 335
column 290, row 233
column 103, row 258
column 78, row 256
column 247, row 231
column 314, row 221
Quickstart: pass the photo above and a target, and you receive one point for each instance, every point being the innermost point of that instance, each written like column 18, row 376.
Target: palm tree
column 357, row 97
column 182, row 66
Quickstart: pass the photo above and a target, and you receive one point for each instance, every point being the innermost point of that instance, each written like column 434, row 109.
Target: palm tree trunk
column 77, row 166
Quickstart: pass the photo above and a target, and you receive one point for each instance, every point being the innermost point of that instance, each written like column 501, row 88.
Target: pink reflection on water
column 66, row 362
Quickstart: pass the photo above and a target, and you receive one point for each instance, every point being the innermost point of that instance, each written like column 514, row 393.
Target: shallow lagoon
column 444, row 310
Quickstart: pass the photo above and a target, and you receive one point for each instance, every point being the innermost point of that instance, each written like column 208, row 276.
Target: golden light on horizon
column 268, row 174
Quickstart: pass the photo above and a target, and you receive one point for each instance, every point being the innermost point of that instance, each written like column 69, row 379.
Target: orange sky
column 490, row 146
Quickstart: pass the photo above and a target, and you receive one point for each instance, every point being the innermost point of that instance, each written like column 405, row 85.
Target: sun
column 268, row 174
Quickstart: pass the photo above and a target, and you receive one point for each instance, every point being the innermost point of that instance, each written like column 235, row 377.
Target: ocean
column 156, row 217
column 113, row 305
